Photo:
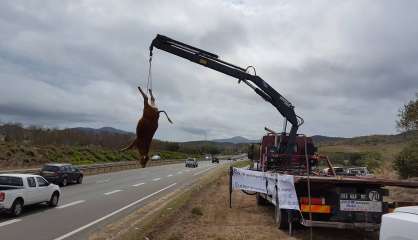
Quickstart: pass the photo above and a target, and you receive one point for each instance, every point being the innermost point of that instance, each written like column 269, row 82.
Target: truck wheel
column 80, row 179
column 64, row 182
column 53, row 202
column 260, row 200
column 282, row 218
column 17, row 207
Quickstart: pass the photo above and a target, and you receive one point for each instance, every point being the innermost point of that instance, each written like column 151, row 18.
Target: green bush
column 406, row 163
column 197, row 211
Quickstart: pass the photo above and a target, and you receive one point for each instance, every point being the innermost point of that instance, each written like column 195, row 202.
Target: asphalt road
column 100, row 200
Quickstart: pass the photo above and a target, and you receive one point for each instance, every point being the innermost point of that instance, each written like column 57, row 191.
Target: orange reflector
column 316, row 208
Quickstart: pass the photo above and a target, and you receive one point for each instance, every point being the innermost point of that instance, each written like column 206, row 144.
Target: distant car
column 401, row 224
column 19, row 190
column 358, row 171
column 208, row 157
column 62, row 174
column 191, row 162
column 215, row 160
column 156, row 157
column 338, row 171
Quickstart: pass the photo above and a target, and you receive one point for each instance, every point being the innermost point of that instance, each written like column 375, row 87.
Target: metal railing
column 97, row 168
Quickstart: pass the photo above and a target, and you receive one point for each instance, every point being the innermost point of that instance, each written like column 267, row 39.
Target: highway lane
column 100, row 200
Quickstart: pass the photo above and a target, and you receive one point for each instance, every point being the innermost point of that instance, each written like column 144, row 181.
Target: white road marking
column 169, row 175
column 203, row 171
column 112, row 192
column 2, row 224
column 103, row 180
column 70, row 204
column 111, row 214
column 179, row 172
column 138, row 184
column 156, row 179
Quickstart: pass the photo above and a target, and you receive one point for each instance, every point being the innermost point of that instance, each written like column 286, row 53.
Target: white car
column 19, row 190
column 401, row 224
column 358, row 171
column 191, row 162
column 156, row 157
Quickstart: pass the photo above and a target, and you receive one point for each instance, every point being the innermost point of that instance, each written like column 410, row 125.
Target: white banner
column 286, row 192
column 248, row 180
column 264, row 182
column 271, row 179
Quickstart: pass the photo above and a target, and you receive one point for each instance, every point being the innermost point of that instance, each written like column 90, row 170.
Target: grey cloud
column 195, row 131
column 44, row 115
column 347, row 67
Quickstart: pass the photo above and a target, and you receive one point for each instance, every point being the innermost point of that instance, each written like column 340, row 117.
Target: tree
column 214, row 150
column 253, row 152
column 173, row 146
column 408, row 116
column 406, row 163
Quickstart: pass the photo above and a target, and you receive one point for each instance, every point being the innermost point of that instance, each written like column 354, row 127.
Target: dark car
column 61, row 174
column 215, row 160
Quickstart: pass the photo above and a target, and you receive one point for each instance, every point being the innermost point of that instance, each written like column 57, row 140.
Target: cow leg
column 152, row 97
column 143, row 161
column 143, row 95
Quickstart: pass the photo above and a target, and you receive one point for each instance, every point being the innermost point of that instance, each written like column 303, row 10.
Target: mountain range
column 100, row 130
column 318, row 139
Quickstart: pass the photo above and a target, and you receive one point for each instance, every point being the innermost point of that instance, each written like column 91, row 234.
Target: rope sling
column 149, row 78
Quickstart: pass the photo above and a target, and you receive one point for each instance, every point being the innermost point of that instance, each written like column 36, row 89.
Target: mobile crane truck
column 325, row 201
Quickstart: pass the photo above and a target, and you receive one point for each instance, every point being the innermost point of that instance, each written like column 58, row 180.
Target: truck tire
column 53, row 202
column 260, row 200
column 17, row 208
column 282, row 218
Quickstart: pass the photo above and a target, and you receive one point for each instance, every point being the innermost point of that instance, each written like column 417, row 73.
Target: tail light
column 2, row 196
column 317, row 205
column 314, row 201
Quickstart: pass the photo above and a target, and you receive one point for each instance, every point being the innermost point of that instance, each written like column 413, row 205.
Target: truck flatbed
column 358, row 180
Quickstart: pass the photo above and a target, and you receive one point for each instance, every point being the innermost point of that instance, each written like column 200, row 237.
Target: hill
column 235, row 140
column 22, row 147
column 101, row 130
column 318, row 139
column 377, row 152
column 371, row 139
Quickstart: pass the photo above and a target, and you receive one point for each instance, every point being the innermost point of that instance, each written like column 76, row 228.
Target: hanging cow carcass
column 146, row 128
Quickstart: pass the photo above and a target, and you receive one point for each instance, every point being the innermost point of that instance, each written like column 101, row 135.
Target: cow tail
column 168, row 118
column 130, row 146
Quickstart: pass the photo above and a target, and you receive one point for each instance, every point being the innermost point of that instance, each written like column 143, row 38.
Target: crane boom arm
column 210, row 60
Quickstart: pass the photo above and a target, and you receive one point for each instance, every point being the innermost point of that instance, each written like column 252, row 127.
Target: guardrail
column 101, row 167
column 97, row 168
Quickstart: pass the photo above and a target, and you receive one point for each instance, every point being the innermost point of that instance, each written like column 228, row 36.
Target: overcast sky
column 346, row 66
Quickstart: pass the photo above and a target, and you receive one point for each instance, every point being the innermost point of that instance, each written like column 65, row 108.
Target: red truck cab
column 274, row 158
